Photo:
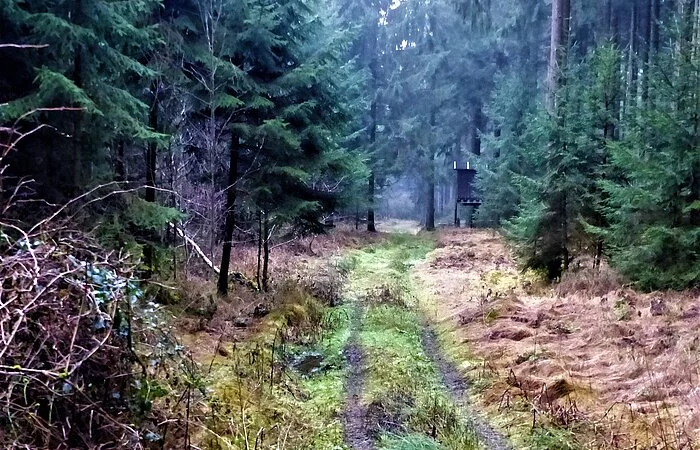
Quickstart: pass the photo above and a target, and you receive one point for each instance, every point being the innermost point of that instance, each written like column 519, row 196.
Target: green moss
column 401, row 378
column 391, row 340
column 253, row 399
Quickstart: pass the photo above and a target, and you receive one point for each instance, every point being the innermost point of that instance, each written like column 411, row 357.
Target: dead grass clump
column 589, row 281
column 324, row 283
column 193, row 296
column 551, row 404
column 390, row 293
column 632, row 356
column 510, row 332
column 297, row 314
column 388, row 414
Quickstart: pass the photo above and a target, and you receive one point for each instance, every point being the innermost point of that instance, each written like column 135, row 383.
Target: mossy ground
column 408, row 407
column 258, row 400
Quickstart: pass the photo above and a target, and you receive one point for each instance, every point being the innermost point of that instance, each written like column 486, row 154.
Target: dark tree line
column 235, row 116
column 248, row 119
column 608, row 166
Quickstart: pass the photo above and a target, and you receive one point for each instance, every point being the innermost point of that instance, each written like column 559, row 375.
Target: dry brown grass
column 584, row 279
column 636, row 375
column 308, row 261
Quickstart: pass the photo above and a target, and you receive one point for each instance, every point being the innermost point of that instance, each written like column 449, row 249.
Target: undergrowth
column 546, row 435
column 409, row 442
column 258, row 397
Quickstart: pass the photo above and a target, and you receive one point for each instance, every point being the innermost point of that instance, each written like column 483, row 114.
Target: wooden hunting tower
column 467, row 195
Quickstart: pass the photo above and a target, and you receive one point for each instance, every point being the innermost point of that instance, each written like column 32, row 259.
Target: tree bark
column 152, row 151
column 655, row 28
column 645, row 50
column 266, row 252
column 120, row 164
column 372, row 143
column 430, row 197
column 78, row 138
column 608, row 11
column 260, row 246
column 371, row 227
column 557, row 53
column 372, row 62
column 430, row 214
column 230, row 221
column 475, row 126
column 151, row 160
column 632, row 70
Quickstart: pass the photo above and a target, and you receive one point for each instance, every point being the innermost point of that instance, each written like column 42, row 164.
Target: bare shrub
column 67, row 371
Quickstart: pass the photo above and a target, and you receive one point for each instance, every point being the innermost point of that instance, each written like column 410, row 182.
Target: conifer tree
column 653, row 206
column 93, row 49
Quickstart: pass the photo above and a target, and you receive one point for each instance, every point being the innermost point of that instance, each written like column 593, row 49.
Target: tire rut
column 458, row 387
column 354, row 416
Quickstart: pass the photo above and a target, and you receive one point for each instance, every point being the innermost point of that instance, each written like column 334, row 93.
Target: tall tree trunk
column 79, row 143
column 266, row 251
column 430, row 197
column 476, row 124
column 152, row 151
column 645, row 51
column 260, row 246
column 77, row 168
column 608, row 24
column 371, row 183
column 632, row 70
column 371, row 227
column 656, row 28
column 372, row 61
column 557, row 53
column 151, row 160
column 230, row 221
column 120, row 163
column 430, row 200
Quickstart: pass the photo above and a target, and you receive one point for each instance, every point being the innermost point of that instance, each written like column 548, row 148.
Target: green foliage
column 654, row 232
column 256, row 387
column 410, row 442
column 612, row 169
column 553, row 439
column 92, row 50
column 150, row 216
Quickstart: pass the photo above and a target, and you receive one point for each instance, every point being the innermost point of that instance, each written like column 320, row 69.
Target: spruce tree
column 93, row 49
column 653, row 205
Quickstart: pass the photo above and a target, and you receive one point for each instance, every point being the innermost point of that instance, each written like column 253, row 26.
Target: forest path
column 401, row 390
column 355, row 413
column 458, row 387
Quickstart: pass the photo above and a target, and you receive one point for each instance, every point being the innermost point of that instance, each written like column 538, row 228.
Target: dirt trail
column 458, row 388
column 355, row 413
column 376, row 267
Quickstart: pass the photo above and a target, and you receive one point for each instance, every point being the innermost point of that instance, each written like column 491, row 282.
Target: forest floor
column 588, row 363
column 438, row 341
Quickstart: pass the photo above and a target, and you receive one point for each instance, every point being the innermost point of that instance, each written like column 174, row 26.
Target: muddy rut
column 457, row 386
column 355, row 413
